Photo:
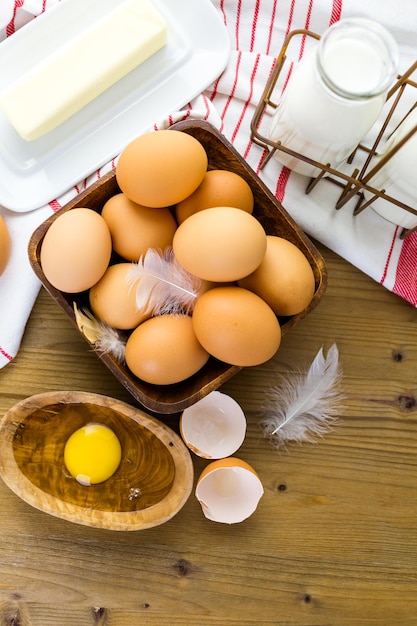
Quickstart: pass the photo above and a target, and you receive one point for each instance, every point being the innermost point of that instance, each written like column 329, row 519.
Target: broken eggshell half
column 213, row 427
column 229, row 490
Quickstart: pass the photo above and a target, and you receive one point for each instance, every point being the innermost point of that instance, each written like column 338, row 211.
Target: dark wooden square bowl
column 275, row 220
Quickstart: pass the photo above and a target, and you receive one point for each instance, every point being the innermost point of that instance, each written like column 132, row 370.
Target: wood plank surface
column 333, row 541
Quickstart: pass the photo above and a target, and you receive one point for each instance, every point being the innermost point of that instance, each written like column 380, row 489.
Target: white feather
column 110, row 342
column 162, row 284
column 104, row 338
column 305, row 406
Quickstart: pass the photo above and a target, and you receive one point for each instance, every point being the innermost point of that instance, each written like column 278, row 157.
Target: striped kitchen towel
column 257, row 29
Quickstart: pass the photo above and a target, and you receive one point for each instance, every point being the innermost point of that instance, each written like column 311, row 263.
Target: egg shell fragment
column 218, row 188
column 113, row 299
column 76, row 250
column 229, row 490
column 5, row 245
column 284, row 279
column 161, row 168
column 135, row 228
column 220, row 244
column 164, row 350
column 213, row 427
column 236, row 326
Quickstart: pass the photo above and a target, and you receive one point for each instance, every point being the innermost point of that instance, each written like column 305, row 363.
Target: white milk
column 334, row 96
column 398, row 177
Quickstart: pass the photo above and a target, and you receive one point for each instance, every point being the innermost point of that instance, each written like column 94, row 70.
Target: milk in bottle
column 335, row 95
column 398, row 177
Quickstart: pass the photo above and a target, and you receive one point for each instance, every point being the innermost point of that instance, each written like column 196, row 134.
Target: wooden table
column 334, row 539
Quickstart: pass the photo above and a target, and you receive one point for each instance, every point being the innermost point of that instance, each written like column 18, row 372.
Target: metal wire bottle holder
column 359, row 181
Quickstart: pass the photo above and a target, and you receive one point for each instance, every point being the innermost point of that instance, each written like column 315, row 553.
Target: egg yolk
column 92, row 454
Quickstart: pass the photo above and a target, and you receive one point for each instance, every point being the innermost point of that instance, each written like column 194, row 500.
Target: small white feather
column 105, row 338
column 162, row 284
column 305, row 406
column 110, row 342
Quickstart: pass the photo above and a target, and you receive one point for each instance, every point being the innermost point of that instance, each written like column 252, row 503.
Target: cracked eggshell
column 214, row 427
column 229, row 490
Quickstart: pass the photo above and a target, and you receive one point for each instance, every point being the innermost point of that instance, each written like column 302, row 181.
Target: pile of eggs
column 170, row 199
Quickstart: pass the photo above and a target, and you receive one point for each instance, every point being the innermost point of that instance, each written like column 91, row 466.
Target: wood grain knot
column 397, row 356
column 14, row 613
column 406, row 402
column 282, row 487
column 183, row 567
column 101, row 616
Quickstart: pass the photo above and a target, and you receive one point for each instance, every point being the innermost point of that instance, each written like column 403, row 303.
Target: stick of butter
column 84, row 68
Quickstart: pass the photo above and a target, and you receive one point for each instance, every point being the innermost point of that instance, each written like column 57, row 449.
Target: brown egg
column 220, row 244
column 236, row 326
column 161, row 168
column 284, row 279
column 218, row 188
column 5, row 245
column 135, row 228
column 164, row 350
column 76, row 250
column 113, row 299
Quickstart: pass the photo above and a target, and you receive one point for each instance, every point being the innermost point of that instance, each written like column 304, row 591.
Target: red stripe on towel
column 11, row 27
column 271, row 26
column 237, row 23
column 254, row 24
column 306, row 26
column 291, row 15
column 282, row 184
column 235, row 82
column 55, row 205
column 336, row 11
column 206, row 106
column 405, row 284
column 388, row 259
column 249, row 98
column 6, row 354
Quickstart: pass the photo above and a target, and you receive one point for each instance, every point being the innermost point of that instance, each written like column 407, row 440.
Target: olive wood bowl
column 152, row 483
column 270, row 213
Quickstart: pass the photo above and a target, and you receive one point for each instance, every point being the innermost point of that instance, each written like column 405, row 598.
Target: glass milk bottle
column 398, row 177
column 335, row 95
